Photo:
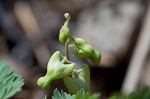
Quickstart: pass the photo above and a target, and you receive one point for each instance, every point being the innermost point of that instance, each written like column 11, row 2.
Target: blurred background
column 119, row 29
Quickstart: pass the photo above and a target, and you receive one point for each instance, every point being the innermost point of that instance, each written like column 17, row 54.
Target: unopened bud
column 81, row 44
column 65, row 31
column 96, row 57
column 82, row 54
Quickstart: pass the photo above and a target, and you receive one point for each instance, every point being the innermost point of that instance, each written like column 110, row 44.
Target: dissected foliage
column 81, row 94
column 143, row 93
column 10, row 81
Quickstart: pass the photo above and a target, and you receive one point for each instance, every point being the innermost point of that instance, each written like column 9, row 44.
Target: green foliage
column 139, row 94
column 81, row 94
column 10, row 81
column 62, row 95
column 143, row 93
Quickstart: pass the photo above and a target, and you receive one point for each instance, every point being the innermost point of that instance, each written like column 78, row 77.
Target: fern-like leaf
column 10, row 81
column 62, row 95
column 80, row 95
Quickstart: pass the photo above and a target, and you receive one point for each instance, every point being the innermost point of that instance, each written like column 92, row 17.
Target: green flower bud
column 96, row 57
column 82, row 54
column 64, row 31
column 56, row 69
column 81, row 44
column 82, row 81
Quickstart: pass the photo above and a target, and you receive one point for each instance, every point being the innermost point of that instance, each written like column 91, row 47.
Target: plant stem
column 67, row 49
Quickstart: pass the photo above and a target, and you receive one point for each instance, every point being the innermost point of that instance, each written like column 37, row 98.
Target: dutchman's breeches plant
column 61, row 67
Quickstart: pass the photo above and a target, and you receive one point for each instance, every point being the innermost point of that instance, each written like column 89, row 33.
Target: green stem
column 67, row 49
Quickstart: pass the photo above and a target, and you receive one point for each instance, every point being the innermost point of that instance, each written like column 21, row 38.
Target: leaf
column 74, row 84
column 62, row 95
column 80, row 95
column 85, row 73
column 10, row 81
column 79, row 82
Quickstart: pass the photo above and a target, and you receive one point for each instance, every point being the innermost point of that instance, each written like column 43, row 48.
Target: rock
column 108, row 28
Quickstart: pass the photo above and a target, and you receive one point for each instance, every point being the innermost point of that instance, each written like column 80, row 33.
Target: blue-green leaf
column 81, row 94
column 10, row 81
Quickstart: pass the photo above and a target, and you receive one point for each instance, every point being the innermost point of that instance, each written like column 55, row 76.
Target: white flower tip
column 67, row 16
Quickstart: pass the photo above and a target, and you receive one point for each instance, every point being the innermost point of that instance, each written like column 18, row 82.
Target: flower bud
column 82, row 54
column 96, row 57
column 82, row 81
column 81, row 44
column 56, row 69
column 64, row 31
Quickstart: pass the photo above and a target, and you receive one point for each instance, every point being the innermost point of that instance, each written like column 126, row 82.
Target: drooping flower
column 84, row 50
column 95, row 57
column 82, row 45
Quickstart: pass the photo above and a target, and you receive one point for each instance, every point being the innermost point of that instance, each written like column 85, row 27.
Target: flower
column 56, row 69
column 82, row 45
column 84, row 50
column 96, row 57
